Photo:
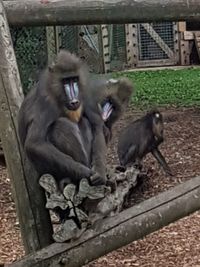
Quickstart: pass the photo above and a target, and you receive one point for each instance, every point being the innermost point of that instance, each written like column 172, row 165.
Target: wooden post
column 185, row 52
column 101, row 49
column 197, row 42
column 105, row 48
column 184, row 45
column 51, row 43
column 29, row 198
column 131, row 45
column 176, row 42
column 182, row 26
column 127, row 226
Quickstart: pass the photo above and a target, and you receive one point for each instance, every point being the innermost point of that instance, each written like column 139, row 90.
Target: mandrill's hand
column 96, row 179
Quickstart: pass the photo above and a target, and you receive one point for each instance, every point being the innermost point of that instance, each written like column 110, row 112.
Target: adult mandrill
column 102, row 106
column 57, row 98
column 54, row 124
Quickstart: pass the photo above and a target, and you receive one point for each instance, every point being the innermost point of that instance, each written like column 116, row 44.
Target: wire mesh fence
column 36, row 46
column 31, row 52
column 68, row 38
column 117, row 47
column 89, row 47
column 151, row 38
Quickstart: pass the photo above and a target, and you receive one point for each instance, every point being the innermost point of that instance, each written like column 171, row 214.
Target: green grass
column 165, row 87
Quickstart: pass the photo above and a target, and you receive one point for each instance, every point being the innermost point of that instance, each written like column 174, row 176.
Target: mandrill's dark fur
column 116, row 92
column 45, row 108
column 140, row 138
column 60, row 123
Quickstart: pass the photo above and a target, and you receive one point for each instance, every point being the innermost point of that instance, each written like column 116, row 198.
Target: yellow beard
column 74, row 115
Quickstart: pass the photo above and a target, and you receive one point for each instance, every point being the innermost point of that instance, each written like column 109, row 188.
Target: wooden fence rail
column 28, row 195
column 115, row 232
column 61, row 12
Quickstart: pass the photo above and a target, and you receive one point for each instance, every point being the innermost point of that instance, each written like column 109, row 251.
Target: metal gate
column 152, row 44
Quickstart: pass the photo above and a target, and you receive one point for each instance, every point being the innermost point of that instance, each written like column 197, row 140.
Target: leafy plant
column 165, row 87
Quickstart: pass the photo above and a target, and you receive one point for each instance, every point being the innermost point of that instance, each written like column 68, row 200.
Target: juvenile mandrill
column 140, row 138
column 112, row 97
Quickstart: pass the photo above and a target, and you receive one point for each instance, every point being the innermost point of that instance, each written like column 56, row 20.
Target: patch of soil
column 175, row 245
column 10, row 238
column 181, row 150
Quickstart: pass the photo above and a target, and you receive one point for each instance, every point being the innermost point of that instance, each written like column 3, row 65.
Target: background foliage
column 153, row 88
column 165, row 87
column 31, row 52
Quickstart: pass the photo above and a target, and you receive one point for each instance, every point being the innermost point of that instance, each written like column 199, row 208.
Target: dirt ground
column 175, row 245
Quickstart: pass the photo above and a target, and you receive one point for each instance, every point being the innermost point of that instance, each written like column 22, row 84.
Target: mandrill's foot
column 96, row 179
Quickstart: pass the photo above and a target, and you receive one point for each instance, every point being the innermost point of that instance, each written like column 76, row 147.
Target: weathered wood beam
column 61, row 12
column 127, row 226
column 33, row 217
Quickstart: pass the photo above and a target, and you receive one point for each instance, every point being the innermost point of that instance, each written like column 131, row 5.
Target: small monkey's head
column 116, row 97
column 157, row 125
column 67, row 80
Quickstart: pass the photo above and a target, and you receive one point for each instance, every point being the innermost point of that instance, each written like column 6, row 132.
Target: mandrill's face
column 106, row 109
column 72, row 98
column 66, row 87
column 72, row 93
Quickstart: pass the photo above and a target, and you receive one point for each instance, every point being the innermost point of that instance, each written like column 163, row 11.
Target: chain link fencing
column 37, row 46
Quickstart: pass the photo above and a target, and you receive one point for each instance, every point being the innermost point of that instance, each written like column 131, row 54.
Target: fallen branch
column 86, row 204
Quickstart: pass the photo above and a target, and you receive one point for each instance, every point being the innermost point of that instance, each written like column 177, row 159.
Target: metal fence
column 117, row 38
column 150, row 42
column 31, row 52
column 103, row 47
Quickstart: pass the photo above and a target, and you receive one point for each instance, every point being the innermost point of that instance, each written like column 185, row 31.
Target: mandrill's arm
column 157, row 154
column 99, row 155
column 47, row 158
column 99, row 147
